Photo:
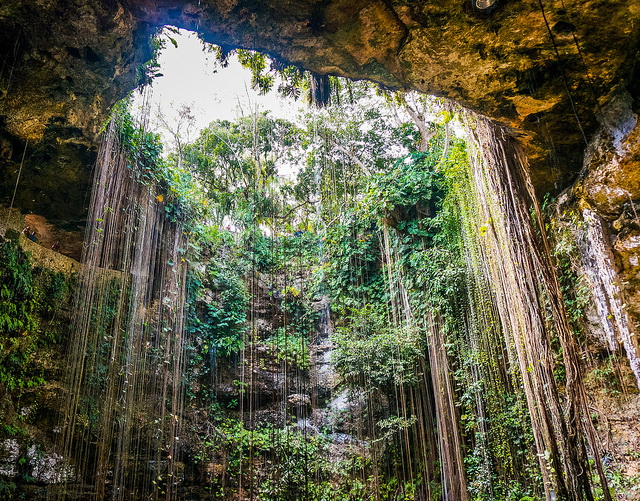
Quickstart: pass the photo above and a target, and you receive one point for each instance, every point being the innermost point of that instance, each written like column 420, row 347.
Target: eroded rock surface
column 544, row 68
column 601, row 212
column 62, row 66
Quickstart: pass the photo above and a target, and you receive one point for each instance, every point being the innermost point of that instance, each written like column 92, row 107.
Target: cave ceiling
column 542, row 68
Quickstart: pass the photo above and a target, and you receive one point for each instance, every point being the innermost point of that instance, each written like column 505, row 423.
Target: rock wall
column 602, row 209
column 544, row 68
column 31, row 381
column 600, row 213
column 62, row 66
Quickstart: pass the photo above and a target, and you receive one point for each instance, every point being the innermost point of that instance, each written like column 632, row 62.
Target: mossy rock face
column 543, row 73
column 35, row 318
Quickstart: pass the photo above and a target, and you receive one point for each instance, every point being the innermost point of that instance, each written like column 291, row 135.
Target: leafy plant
column 29, row 299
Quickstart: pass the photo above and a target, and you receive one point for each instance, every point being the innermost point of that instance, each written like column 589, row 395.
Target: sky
column 193, row 77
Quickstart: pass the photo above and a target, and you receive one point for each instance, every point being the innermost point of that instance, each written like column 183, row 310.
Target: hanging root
column 520, row 269
column 320, row 93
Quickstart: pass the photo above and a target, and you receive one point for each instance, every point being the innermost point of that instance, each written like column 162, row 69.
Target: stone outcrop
column 601, row 211
column 62, row 66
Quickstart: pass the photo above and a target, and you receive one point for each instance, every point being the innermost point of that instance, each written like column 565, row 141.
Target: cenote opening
column 337, row 291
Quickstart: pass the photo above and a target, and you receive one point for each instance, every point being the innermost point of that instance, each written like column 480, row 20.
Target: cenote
column 405, row 267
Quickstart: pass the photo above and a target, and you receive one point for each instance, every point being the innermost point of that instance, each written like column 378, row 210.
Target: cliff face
column 544, row 68
column 63, row 64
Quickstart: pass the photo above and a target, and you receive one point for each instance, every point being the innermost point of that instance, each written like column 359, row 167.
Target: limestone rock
column 48, row 468
column 9, row 456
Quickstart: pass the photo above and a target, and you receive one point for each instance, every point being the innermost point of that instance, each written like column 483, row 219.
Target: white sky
column 194, row 78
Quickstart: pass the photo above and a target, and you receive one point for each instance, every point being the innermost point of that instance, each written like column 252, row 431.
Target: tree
column 238, row 162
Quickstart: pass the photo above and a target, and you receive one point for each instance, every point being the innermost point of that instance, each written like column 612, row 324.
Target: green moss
column 30, row 300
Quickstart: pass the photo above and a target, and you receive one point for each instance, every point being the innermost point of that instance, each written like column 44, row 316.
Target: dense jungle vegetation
column 353, row 230
column 371, row 220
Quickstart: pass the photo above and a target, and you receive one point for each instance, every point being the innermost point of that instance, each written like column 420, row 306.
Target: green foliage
column 150, row 69
column 368, row 349
column 295, row 478
column 16, row 291
column 300, row 250
column 257, row 250
column 257, row 63
column 237, row 163
column 606, row 375
column 103, row 314
column 29, row 300
column 266, row 72
column 351, row 271
column 222, row 302
column 143, row 148
column 376, row 221
column 178, row 189
column 574, row 287
column 298, row 464
column 411, row 182
column 9, row 490
column 292, row 348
